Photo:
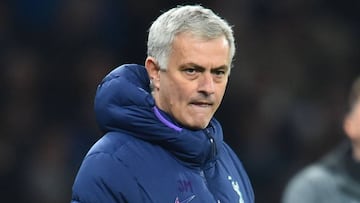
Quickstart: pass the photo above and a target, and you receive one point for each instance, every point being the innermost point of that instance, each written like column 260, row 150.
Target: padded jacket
column 145, row 156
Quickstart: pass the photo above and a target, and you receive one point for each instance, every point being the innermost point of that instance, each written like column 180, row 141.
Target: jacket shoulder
column 95, row 181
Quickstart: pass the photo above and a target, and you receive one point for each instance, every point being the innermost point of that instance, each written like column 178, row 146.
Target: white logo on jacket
column 236, row 188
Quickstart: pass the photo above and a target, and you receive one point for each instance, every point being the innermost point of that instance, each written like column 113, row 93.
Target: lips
column 202, row 103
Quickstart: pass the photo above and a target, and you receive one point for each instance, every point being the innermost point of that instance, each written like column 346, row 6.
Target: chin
column 194, row 126
column 200, row 126
column 196, row 123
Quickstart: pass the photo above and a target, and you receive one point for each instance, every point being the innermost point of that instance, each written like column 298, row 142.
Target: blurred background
column 283, row 107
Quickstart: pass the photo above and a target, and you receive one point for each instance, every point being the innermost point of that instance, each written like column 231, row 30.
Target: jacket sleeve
column 103, row 178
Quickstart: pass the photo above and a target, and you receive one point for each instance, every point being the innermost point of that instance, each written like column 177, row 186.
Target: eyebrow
column 197, row 66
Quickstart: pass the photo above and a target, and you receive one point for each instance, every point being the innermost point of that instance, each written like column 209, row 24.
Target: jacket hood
column 123, row 103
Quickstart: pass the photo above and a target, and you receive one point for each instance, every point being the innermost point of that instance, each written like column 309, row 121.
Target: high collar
column 124, row 103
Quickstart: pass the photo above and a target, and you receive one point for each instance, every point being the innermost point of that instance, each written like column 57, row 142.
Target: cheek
column 221, row 91
column 180, row 94
column 174, row 91
column 357, row 126
column 353, row 127
column 179, row 89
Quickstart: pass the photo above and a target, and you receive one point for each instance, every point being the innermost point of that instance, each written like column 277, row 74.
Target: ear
column 153, row 71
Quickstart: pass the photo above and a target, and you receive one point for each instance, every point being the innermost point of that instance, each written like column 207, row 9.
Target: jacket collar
column 124, row 103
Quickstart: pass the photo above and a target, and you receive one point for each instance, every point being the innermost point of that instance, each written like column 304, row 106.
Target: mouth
column 202, row 103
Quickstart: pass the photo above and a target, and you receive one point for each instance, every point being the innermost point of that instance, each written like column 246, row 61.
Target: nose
column 206, row 84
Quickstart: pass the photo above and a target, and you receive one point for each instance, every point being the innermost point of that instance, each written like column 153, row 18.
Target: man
column 336, row 177
column 161, row 142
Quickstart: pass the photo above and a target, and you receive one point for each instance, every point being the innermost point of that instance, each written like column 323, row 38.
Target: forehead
column 188, row 48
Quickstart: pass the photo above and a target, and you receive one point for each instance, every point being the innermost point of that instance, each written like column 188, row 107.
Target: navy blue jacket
column 145, row 156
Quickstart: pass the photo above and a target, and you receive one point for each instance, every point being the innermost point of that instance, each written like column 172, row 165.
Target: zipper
column 212, row 143
column 202, row 174
column 213, row 154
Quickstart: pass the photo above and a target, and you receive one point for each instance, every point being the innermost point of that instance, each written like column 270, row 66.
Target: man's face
column 192, row 87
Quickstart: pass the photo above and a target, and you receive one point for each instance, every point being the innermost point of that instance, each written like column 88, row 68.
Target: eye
column 219, row 72
column 190, row 71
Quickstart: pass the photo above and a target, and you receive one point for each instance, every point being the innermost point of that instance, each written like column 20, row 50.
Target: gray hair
column 195, row 19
